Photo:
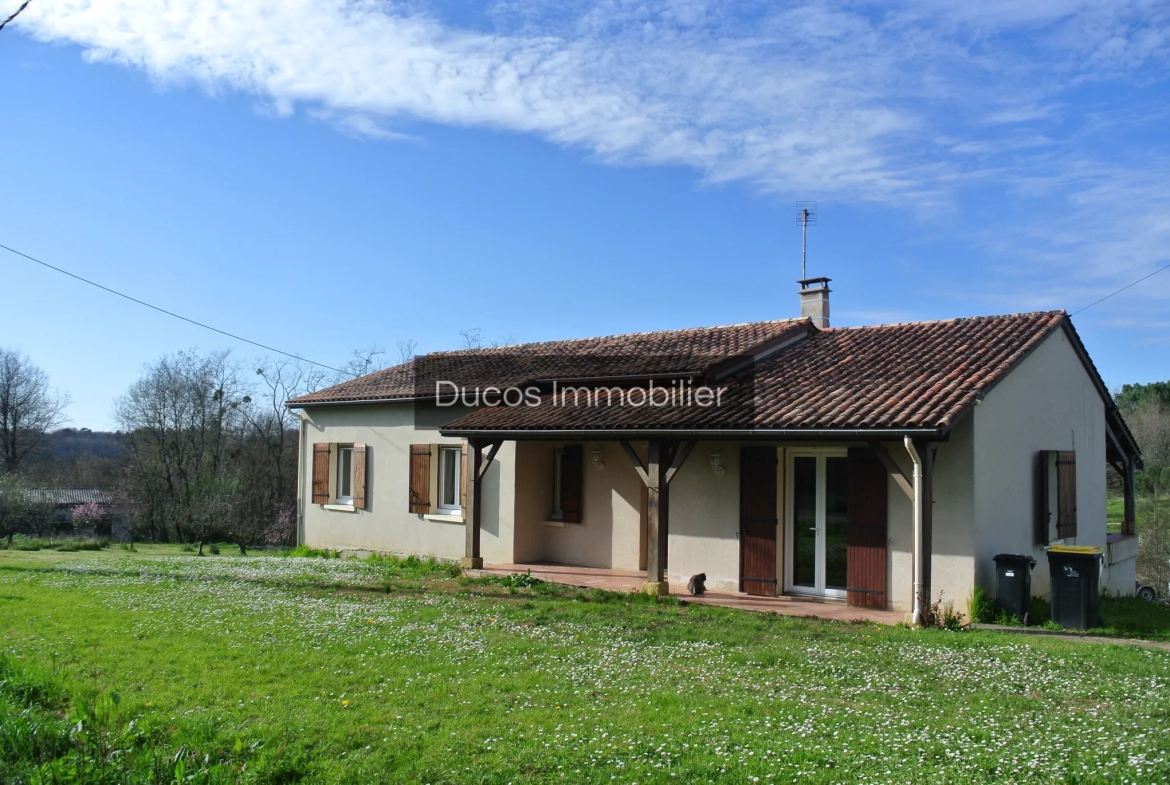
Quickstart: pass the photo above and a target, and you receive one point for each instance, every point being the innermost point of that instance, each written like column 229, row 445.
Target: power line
column 15, row 13
column 1122, row 289
column 168, row 313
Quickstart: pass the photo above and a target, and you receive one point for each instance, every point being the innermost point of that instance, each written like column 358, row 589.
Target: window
column 567, row 480
column 339, row 474
column 345, row 472
column 450, row 479
column 558, row 510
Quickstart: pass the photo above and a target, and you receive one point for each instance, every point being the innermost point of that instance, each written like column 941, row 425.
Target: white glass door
column 816, row 545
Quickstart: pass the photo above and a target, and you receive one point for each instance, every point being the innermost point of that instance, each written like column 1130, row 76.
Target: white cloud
column 912, row 101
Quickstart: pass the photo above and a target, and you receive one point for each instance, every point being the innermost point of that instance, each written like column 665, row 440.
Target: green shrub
column 1040, row 613
column 214, row 549
column 22, row 543
column 128, row 546
column 305, row 552
column 1006, row 618
column 980, row 606
column 187, row 548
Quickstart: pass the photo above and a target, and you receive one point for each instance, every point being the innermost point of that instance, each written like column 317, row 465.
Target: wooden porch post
column 666, row 457
column 472, row 560
column 1129, row 525
column 657, row 522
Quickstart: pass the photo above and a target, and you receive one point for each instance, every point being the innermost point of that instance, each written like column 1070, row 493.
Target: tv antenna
column 806, row 216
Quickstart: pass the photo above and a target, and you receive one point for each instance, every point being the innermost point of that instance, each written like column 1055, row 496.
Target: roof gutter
column 355, row 402
column 699, row 433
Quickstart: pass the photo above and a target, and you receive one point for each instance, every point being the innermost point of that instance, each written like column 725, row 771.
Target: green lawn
column 267, row 669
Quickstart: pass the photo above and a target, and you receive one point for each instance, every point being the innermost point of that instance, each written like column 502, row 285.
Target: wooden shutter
column 359, row 476
column 757, row 521
column 321, row 473
column 1066, row 494
column 420, row 478
column 571, row 481
column 463, row 481
column 867, row 518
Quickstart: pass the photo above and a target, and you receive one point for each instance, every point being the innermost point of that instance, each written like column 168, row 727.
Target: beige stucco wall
column 953, row 528
column 386, row 525
column 1048, row 402
column 607, row 535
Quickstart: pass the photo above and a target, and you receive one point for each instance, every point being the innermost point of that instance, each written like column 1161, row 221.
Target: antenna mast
column 806, row 215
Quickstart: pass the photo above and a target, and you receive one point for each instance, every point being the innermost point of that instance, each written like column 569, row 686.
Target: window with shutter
column 360, row 456
column 420, row 478
column 571, row 464
column 321, row 473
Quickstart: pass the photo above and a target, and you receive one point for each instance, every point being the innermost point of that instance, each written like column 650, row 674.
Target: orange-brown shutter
column 1066, row 494
column 420, row 478
column 571, row 482
column 321, row 473
column 463, row 481
column 359, row 476
column 866, row 515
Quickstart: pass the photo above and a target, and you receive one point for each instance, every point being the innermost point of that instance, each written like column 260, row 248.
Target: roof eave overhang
column 294, row 404
column 786, row 434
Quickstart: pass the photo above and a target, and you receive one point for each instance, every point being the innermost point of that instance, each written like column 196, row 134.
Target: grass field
column 269, row 669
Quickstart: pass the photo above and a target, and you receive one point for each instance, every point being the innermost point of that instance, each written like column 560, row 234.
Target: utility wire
column 1122, row 289
column 15, row 13
column 169, row 313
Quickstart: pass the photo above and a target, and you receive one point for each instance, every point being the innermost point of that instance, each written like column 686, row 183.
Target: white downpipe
column 304, row 422
column 918, row 556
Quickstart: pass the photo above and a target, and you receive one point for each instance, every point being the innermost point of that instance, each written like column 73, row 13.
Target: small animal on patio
column 697, row 584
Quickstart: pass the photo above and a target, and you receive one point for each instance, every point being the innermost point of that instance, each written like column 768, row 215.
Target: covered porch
column 763, row 516
column 629, row 581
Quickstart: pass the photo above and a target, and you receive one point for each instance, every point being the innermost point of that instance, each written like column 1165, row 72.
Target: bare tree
column 29, row 409
column 181, row 419
column 13, row 505
column 406, row 350
column 473, row 339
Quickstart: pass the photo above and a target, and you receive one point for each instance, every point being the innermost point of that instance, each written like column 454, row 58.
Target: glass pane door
column 818, row 525
column 804, row 534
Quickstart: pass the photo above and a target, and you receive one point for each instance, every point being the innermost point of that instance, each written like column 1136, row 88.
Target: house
column 52, row 510
column 882, row 466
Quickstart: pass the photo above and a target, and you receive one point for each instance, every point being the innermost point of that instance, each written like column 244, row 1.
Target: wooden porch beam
column 639, row 466
column 893, row 468
column 493, row 448
column 681, row 453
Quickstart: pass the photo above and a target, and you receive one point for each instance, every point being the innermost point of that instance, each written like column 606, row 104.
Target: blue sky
column 321, row 176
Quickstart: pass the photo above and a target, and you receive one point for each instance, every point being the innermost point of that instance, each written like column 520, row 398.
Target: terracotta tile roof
column 649, row 353
column 920, row 375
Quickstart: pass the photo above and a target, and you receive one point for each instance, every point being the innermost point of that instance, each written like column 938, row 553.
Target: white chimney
column 814, row 300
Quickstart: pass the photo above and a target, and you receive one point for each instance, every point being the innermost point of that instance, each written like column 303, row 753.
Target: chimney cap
column 805, row 283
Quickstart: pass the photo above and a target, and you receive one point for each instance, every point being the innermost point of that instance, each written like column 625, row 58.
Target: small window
column 345, row 473
column 450, row 479
column 558, row 510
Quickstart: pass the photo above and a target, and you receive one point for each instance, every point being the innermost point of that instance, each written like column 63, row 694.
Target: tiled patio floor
column 625, row 581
